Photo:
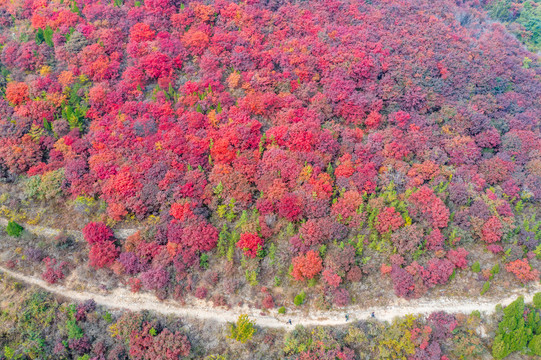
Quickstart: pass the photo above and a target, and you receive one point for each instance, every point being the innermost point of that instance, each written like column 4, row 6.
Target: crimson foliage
column 343, row 118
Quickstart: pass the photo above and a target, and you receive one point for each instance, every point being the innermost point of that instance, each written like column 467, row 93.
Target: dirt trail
column 124, row 299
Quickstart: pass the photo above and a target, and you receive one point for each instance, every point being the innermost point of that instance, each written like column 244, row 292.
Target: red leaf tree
column 250, row 243
column 97, row 232
column 389, row 220
column 492, row 230
column 522, row 270
column 306, row 266
column 17, row 93
column 103, row 254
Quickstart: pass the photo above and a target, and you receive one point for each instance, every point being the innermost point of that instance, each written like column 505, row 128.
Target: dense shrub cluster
column 522, row 18
column 398, row 132
column 43, row 327
column 518, row 330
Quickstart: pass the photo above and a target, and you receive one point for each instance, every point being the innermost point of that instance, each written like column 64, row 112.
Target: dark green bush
column 535, row 345
column 299, row 299
column 486, row 287
column 537, row 301
column 517, row 331
column 14, row 229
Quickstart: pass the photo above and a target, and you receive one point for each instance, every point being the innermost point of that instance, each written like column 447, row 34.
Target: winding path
column 124, row 299
column 121, row 298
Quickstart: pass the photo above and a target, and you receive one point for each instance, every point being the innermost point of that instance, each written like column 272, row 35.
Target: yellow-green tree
column 243, row 330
